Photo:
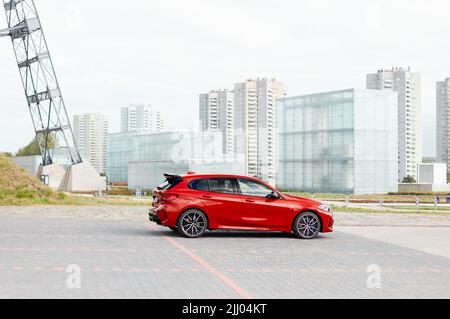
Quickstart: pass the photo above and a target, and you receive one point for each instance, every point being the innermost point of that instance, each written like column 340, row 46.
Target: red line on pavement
column 227, row 281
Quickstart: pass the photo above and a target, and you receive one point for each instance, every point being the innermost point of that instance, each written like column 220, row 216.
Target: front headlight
column 326, row 208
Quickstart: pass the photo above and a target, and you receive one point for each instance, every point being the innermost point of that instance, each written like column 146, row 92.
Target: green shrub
column 61, row 196
column 23, row 193
column 47, row 192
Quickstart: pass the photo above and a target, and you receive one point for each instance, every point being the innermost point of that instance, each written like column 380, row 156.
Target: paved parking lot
column 121, row 255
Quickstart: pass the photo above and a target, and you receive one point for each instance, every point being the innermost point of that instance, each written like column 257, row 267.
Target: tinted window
column 221, row 185
column 200, row 185
column 251, row 188
column 171, row 182
column 164, row 186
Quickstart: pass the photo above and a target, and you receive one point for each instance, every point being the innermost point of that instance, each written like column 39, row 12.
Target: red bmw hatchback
column 193, row 204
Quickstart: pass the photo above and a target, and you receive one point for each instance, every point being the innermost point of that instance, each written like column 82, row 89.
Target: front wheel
column 307, row 225
column 192, row 223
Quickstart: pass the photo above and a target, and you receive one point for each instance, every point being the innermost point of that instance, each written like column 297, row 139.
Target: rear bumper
column 153, row 217
column 159, row 215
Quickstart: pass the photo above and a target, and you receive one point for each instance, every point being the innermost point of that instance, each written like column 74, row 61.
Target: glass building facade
column 339, row 142
column 141, row 158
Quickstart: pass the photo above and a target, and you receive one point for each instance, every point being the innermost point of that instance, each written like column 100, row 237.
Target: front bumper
column 331, row 225
column 327, row 221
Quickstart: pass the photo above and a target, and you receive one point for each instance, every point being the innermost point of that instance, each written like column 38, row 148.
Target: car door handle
column 249, row 200
column 207, row 196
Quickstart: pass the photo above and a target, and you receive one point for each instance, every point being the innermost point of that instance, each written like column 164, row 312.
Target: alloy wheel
column 193, row 223
column 308, row 226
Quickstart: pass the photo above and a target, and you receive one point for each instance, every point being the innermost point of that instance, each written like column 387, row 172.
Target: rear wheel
column 192, row 223
column 307, row 225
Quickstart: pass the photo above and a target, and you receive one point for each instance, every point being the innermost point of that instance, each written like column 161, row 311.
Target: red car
column 193, row 204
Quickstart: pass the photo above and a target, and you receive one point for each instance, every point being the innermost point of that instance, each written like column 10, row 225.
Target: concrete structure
column 432, row 178
column 443, row 122
column 338, row 142
column 432, row 174
column 408, row 86
column 52, row 176
column 141, row 158
column 255, row 125
column 63, row 176
column 141, row 117
column 82, row 178
column 217, row 115
column 30, row 163
column 91, row 131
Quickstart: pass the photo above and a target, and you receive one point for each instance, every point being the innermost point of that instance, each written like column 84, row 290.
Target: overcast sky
column 109, row 54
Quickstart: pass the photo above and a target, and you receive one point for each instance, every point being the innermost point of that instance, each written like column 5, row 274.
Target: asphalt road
column 128, row 257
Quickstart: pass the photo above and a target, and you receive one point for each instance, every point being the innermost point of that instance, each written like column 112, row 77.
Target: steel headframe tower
column 42, row 91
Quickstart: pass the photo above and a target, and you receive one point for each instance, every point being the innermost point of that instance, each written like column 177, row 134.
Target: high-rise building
column 338, row 142
column 408, row 86
column 255, row 125
column 217, row 115
column 443, row 122
column 141, row 117
column 91, row 132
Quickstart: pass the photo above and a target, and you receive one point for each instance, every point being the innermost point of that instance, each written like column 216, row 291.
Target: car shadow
column 245, row 234
column 231, row 234
column 222, row 234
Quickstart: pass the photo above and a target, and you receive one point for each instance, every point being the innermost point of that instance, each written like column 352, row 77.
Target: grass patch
column 19, row 188
column 69, row 200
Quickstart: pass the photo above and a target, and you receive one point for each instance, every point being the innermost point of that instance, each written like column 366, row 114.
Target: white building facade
column 255, row 125
column 408, row 86
column 140, row 158
column 217, row 115
column 91, row 132
column 443, row 122
column 141, row 117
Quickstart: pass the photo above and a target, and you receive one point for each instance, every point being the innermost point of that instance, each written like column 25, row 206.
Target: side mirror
column 273, row 195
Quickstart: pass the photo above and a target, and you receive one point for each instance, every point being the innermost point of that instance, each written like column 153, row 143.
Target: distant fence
column 437, row 199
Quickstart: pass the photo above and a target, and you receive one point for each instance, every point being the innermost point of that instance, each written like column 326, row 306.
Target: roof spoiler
column 173, row 178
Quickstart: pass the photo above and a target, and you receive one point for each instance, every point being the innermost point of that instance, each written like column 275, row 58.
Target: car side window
column 252, row 188
column 200, row 185
column 221, row 185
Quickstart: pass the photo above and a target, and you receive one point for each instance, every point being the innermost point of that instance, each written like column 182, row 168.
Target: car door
column 222, row 203
column 259, row 211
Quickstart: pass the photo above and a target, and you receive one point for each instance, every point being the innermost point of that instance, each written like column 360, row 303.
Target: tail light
column 167, row 197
